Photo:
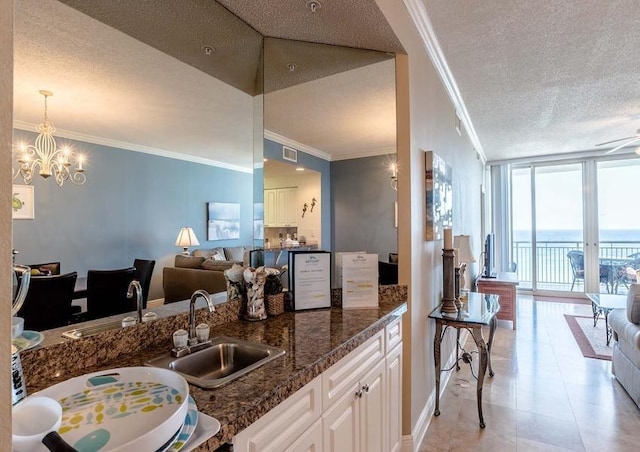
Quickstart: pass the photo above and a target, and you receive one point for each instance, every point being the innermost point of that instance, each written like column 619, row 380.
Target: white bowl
column 17, row 326
column 31, row 420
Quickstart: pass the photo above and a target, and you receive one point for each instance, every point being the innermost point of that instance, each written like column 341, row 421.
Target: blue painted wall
column 273, row 150
column 363, row 206
column 132, row 206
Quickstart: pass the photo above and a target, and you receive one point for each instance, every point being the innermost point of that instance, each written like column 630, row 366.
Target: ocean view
column 574, row 235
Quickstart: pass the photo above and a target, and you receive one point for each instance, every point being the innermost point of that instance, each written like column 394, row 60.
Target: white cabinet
column 281, row 427
column 269, row 207
column 281, row 207
column 355, row 405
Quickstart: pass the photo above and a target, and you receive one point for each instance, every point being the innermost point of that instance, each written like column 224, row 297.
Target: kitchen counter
column 313, row 341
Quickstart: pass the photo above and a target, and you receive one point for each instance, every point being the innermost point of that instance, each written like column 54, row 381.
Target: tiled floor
column 545, row 396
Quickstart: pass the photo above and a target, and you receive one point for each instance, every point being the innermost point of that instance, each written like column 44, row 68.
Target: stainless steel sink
column 79, row 333
column 226, row 360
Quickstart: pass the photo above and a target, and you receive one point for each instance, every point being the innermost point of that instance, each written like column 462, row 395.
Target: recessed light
column 208, row 50
column 299, row 168
column 265, row 160
column 292, row 66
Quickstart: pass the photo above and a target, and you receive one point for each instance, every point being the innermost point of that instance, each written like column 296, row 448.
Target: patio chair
column 576, row 259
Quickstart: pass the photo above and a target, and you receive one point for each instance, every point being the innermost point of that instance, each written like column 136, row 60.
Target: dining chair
column 107, row 292
column 48, row 302
column 143, row 273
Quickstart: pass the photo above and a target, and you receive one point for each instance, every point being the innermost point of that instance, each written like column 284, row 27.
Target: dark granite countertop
column 313, row 341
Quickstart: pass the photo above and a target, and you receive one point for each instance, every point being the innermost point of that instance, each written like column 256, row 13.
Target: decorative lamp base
column 449, row 306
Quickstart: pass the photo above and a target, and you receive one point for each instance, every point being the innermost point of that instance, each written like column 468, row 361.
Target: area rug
column 592, row 340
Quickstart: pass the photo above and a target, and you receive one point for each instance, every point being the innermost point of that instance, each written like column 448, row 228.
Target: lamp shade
column 187, row 238
column 463, row 244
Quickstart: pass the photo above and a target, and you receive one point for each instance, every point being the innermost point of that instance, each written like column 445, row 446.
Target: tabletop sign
column 360, row 281
column 310, row 279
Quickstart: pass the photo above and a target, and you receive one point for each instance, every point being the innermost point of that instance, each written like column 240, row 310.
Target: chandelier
column 47, row 158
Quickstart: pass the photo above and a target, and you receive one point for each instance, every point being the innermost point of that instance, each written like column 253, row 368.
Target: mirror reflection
column 167, row 128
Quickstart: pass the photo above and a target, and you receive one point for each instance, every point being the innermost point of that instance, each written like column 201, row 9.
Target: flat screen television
column 489, row 256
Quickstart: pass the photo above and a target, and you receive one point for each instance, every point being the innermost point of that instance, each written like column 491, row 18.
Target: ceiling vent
column 289, row 154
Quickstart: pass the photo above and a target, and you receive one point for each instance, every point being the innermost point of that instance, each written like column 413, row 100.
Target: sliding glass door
column 575, row 226
column 618, row 223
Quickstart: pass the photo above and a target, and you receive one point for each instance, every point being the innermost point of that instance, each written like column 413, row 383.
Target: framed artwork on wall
column 22, row 202
column 439, row 199
column 223, row 221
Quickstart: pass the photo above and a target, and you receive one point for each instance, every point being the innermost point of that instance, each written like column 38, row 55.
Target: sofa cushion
column 213, row 264
column 207, row 253
column 188, row 261
column 633, row 303
column 234, row 253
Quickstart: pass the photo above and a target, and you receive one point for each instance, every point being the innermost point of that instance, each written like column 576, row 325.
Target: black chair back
column 143, row 273
column 107, row 292
column 48, row 302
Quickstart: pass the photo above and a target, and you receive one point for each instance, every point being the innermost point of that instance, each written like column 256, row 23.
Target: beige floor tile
column 545, row 395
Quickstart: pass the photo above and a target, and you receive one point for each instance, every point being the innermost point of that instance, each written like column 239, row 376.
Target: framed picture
column 439, row 196
column 22, row 202
column 223, row 220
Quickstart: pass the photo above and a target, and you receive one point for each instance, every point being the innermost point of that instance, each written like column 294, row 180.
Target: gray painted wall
column 132, row 206
column 363, row 208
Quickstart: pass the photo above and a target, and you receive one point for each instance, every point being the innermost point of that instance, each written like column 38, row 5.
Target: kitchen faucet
column 193, row 339
column 135, row 286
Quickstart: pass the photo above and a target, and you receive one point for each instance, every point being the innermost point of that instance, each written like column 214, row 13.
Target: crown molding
column 420, row 17
column 371, row 153
column 269, row 135
column 29, row 127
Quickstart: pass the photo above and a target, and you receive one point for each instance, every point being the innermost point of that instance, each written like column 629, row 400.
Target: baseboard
column 411, row 443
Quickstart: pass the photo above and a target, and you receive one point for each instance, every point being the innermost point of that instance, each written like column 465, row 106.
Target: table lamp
column 186, row 238
column 465, row 256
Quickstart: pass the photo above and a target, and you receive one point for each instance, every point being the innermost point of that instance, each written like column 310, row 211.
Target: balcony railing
column 553, row 266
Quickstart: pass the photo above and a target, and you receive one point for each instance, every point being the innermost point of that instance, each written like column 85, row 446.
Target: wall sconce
column 394, row 176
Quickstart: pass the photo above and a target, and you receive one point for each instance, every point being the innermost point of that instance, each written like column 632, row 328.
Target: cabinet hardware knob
column 366, row 388
column 359, row 394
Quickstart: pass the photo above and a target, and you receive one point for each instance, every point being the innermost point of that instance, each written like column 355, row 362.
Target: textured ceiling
column 135, row 74
column 543, row 77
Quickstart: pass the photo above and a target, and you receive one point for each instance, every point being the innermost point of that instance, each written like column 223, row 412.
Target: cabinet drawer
column 280, row 427
column 393, row 334
column 341, row 376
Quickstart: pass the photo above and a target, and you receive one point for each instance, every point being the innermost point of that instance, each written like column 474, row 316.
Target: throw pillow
column 188, row 261
column 211, row 264
column 234, row 253
column 218, row 257
column 633, row 303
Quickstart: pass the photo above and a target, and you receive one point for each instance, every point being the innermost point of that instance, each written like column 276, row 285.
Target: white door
column 270, row 208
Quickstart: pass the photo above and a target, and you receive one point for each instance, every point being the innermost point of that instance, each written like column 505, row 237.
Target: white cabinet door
column 270, row 208
column 394, row 398
column 291, row 207
column 282, row 196
column 310, row 441
column 341, row 424
column 373, row 415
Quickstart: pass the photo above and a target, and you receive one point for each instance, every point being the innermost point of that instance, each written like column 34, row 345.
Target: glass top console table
column 479, row 310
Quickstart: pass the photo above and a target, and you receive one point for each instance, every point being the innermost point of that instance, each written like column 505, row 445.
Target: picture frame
column 439, row 196
column 223, row 220
column 22, row 202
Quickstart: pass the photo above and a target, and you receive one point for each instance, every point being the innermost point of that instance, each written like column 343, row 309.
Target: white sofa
column 625, row 361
